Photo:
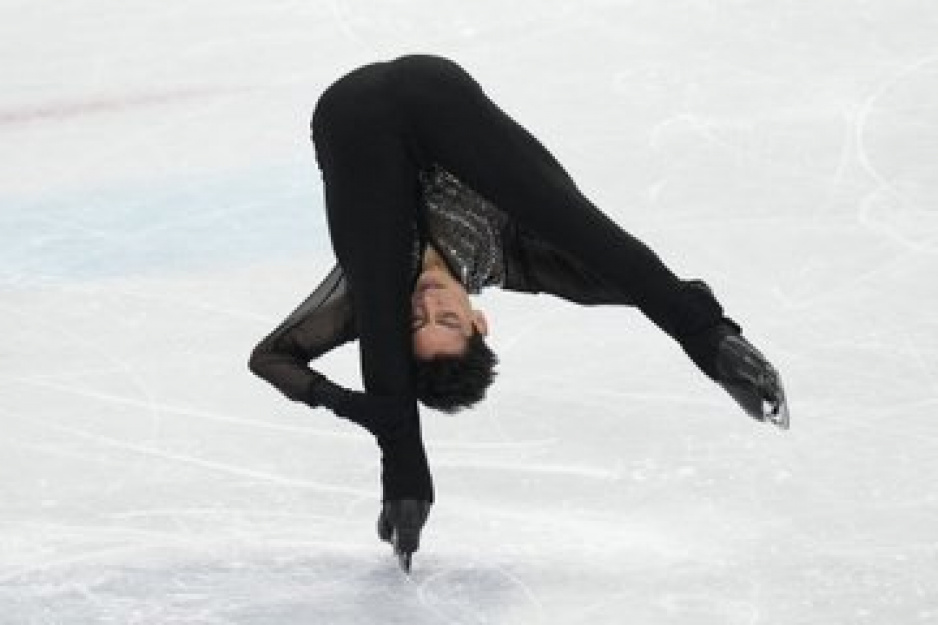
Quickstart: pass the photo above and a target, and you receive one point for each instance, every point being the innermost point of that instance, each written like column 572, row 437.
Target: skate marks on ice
column 888, row 179
column 262, row 584
column 395, row 26
column 897, row 142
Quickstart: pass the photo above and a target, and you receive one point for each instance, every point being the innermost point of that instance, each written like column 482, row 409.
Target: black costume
column 404, row 147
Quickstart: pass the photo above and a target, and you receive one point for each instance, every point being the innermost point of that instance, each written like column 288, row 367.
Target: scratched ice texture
column 160, row 211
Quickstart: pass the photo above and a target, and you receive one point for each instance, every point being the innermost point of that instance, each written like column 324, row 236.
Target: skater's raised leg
column 452, row 123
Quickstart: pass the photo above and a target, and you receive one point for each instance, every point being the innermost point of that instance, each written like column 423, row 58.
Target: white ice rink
column 160, row 212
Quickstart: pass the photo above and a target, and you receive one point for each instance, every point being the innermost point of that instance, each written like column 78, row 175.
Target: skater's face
column 442, row 316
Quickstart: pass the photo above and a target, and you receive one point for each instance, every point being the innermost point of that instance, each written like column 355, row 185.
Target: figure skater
column 433, row 193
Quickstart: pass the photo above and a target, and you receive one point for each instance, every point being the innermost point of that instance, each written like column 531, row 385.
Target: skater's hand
column 383, row 416
column 400, row 523
column 395, row 423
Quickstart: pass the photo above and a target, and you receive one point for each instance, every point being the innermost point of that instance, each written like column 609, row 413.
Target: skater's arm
column 324, row 321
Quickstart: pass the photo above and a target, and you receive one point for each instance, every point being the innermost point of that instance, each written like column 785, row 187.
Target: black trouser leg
column 371, row 201
column 371, row 198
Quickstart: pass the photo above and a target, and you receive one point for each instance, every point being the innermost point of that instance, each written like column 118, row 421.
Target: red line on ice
column 102, row 104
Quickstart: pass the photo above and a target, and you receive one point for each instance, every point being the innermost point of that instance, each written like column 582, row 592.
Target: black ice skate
column 400, row 523
column 751, row 380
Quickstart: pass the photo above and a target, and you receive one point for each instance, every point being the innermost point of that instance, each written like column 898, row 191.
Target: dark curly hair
column 451, row 383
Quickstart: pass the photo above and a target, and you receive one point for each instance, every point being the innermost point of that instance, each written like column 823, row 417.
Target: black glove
column 384, row 417
column 395, row 424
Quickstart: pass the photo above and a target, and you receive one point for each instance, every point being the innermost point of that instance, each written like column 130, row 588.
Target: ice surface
column 160, row 211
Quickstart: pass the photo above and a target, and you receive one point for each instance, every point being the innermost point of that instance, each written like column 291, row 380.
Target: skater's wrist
column 318, row 391
column 386, row 417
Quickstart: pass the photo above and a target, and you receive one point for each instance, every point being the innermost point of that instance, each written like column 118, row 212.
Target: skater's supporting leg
column 370, row 189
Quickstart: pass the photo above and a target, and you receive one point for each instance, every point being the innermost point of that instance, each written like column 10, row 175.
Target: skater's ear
column 481, row 322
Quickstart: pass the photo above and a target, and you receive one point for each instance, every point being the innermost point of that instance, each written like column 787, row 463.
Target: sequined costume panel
column 465, row 228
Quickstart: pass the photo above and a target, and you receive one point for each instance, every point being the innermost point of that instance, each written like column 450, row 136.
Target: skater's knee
column 359, row 96
column 419, row 73
column 413, row 64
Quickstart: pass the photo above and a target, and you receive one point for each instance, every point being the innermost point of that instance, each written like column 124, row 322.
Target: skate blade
column 405, row 560
column 777, row 415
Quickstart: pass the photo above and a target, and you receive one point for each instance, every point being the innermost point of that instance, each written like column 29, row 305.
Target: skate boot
column 751, row 380
column 400, row 524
